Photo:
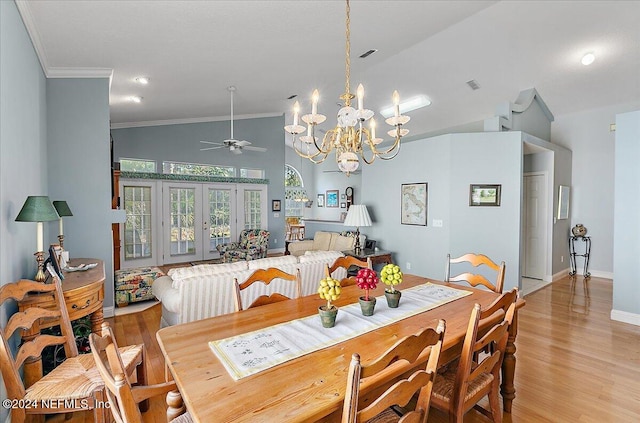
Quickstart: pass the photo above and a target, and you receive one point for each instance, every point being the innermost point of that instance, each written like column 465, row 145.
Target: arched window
column 294, row 192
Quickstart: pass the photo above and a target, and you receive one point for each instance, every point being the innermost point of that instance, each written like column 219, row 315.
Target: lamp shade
column 37, row 208
column 357, row 216
column 62, row 208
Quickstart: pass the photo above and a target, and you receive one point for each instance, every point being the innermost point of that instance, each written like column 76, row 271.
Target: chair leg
column 494, row 402
column 141, row 376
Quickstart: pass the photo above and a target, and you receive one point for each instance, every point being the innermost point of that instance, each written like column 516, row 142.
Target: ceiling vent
column 291, row 97
column 368, row 53
column 473, row 84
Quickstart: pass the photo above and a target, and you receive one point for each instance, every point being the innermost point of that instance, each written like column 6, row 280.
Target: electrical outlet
column 561, row 259
column 437, row 223
column 275, row 240
column 408, row 266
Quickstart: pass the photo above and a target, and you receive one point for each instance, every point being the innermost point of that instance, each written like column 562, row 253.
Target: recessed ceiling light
column 136, row 99
column 144, row 80
column 588, row 59
column 407, row 106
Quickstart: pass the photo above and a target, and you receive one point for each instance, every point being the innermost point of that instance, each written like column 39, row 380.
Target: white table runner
column 249, row 353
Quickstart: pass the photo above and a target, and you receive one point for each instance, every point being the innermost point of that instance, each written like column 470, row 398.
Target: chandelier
column 350, row 136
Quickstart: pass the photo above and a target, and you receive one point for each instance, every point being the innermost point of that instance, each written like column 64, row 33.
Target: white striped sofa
column 198, row 292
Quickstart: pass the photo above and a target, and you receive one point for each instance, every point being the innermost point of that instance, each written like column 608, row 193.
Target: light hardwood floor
column 574, row 364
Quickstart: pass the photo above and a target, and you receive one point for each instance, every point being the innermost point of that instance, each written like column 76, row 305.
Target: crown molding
column 55, row 72
column 123, row 125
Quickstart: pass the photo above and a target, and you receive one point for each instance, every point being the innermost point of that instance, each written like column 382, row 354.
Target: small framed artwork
column 343, row 205
column 320, row 200
column 484, row 195
column 413, row 204
column 276, row 205
column 563, row 202
column 343, row 216
column 54, row 258
column 343, row 196
column 332, row 198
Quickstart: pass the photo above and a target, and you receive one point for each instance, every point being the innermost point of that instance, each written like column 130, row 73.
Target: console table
column 83, row 295
column 377, row 257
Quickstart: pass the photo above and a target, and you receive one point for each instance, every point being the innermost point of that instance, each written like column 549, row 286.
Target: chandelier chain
column 347, row 88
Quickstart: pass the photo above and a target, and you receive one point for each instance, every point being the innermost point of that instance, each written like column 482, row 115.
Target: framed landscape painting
column 413, row 205
column 484, row 195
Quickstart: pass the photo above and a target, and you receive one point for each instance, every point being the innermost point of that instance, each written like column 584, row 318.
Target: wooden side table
column 83, row 295
column 377, row 257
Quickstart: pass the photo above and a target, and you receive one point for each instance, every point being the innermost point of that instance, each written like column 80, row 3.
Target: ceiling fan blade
column 210, row 142
column 261, row 149
column 211, row 148
column 236, row 151
column 242, row 143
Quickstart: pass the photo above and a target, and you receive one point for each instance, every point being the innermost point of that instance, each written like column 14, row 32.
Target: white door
column 183, row 227
column 142, row 246
column 252, row 206
column 535, row 225
column 219, row 225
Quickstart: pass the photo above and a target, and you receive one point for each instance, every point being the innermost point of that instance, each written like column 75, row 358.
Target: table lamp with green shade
column 63, row 211
column 38, row 208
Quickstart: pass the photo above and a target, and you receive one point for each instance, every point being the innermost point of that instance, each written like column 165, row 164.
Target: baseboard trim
column 559, row 275
column 565, row 272
column 601, row 274
column 275, row 251
column 625, row 317
column 109, row 311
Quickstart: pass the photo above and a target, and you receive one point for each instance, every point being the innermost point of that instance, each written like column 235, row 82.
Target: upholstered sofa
column 252, row 244
column 323, row 241
column 207, row 290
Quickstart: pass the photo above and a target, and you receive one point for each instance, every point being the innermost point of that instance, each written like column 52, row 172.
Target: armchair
column 253, row 244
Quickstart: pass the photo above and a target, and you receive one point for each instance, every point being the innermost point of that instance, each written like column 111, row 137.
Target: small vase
column 579, row 230
column 393, row 298
column 367, row 306
column 328, row 317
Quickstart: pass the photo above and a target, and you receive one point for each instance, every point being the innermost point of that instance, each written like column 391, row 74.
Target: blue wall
column 23, row 149
column 181, row 143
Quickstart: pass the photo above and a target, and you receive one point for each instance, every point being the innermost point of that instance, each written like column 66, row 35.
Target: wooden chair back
column 408, row 349
column 477, row 279
column 266, row 276
column 124, row 399
column 478, row 371
column 28, row 319
column 346, row 262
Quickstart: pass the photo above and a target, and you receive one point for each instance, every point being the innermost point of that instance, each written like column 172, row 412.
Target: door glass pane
column 182, row 206
column 252, row 209
column 137, row 228
column 219, row 217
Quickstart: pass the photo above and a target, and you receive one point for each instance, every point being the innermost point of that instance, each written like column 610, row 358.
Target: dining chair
column 458, row 388
column 383, row 408
column 266, row 276
column 124, row 399
column 74, row 385
column 346, row 262
column 476, row 279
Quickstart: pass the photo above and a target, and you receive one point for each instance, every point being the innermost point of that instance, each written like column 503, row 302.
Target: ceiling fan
column 235, row 146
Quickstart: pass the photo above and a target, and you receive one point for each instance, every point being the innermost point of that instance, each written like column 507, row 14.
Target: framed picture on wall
column 320, row 200
column 332, row 198
column 276, row 205
column 413, row 204
column 484, row 195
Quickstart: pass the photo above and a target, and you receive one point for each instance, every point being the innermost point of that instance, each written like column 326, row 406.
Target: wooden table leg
column 175, row 405
column 97, row 317
column 507, row 388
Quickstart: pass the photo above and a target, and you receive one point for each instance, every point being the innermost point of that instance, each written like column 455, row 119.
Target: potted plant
column 329, row 290
column 367, row 280
column 391, row 275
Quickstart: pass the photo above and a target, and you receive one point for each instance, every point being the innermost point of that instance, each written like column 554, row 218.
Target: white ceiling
column 193, row 50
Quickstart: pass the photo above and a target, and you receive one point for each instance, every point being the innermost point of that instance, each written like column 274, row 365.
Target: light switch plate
column 437, row 223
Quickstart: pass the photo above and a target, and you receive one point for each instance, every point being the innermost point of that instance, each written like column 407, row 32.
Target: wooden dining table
column 311, row 387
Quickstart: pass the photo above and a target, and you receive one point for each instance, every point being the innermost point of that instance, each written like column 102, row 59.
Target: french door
column 142, row 246
column 197, row 217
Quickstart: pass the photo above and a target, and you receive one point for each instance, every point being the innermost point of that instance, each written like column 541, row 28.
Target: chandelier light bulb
column 372, row 125
column 296, row 111
column 314, row 102
column 360, row 93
